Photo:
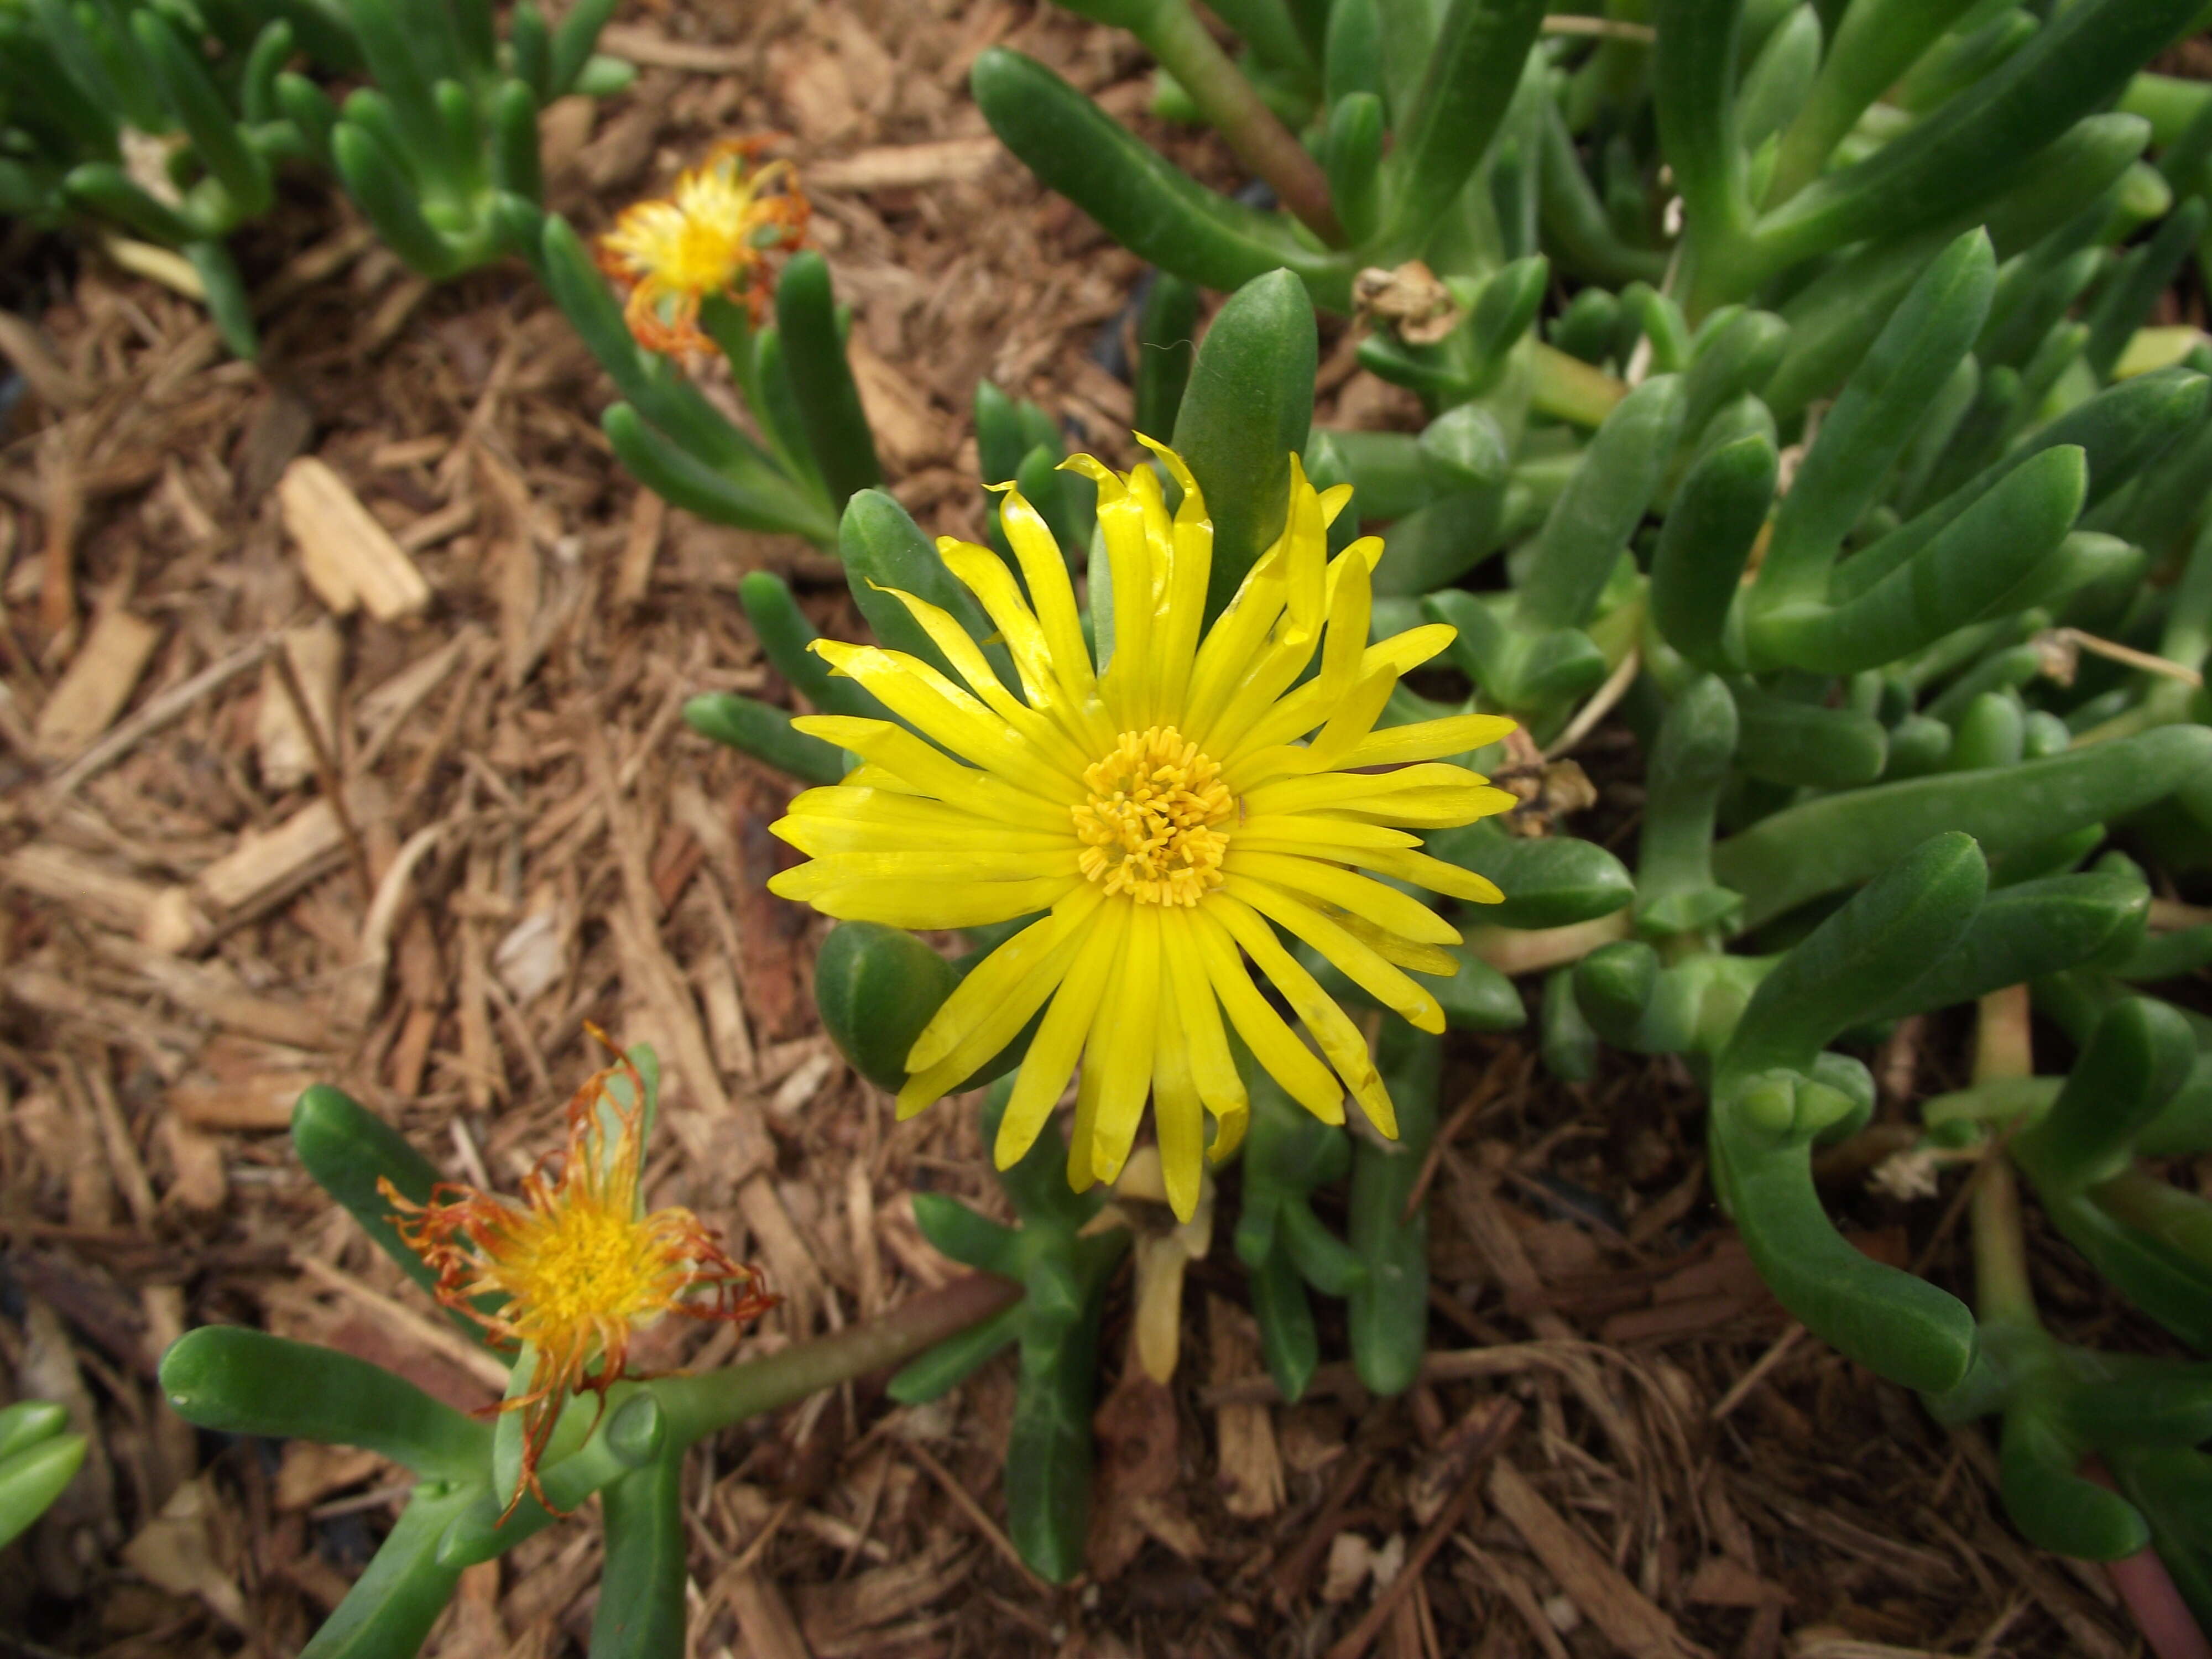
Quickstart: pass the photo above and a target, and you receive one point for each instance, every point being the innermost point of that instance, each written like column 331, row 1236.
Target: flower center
column 1152, row 826
column 586, row 1262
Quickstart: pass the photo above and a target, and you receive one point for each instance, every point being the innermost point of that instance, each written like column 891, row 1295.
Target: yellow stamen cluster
column 1151, row 827
column 710, row 238
column 577, row 1266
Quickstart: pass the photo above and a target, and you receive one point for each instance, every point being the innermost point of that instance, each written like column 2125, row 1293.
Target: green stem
column 2151, row 1204
column 698, row 1406
column 1568, row 389
column 1236, row 110
column 2001, row 1050
column 2002, row 1287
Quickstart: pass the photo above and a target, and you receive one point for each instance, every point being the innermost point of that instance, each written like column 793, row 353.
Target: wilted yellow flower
column 578, row 1266
column 710, row 238
column 1163, row 814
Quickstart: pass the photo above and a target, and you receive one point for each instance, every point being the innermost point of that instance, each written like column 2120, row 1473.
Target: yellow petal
column 1213, row 1069
column 1305, row 538
column 898, row 751
column 918, row 694
column 1178, row 1114
column 1428, row 741
column 1363, row 791
column 926, row 867
column 1121, row 1045
column 1352, row 721
column 1004, row 975
column 1236, row 637
column 1273, row 1044
column 1350, row 600
column 1044, row 571
column 1060, row 1039
column 927, row 904
column 1386, row 907
column 1081, row 1178
column 1435, row 874
column 1361, row 963
column 1051, row 737
column 1300, row 832
column 1176, row 641
column 1331, row 1026
column 986, row 1022
column 1300, row 711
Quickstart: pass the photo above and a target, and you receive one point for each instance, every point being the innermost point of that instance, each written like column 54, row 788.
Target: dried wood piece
column 216, row 992
column 901, row 166
column 348, row 557
column 832, row 1616
column 285, row 748
column 183, row 1549
column 43, row 991
column 412, row 1328
column 764, row 1620
column 99, row 681
column 85, row 1081
column 1635, row 1624
column 908, row 430
column 648, row 516
column 240, row 1085
column 651, row 49
column 270, row 864
column 198, row 1178
column 26, row 345
column 1251, row 1466
column 138, row 907
column 160, row 711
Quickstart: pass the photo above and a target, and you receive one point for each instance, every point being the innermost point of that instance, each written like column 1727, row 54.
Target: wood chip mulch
column 462, row 817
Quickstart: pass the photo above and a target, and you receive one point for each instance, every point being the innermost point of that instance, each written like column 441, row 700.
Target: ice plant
column 708, row 238
column 578, row 1265
column 1159, row 813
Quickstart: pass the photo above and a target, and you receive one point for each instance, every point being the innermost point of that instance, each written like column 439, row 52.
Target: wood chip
column 216, row 992
column 651, row 49
column 1251, row 1467
column 238, row 1086
column 99, row 681
column 899, row 167
column 348, row 558
column 764, row 1618
column 1629, row 1617
column 92, row 890
column 286, row 750
column 269, row 865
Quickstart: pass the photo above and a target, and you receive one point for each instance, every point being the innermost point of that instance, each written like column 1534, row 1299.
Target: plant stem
column 1569, row 389
column 1528, row 951
column 698, row 1406
column 1238, row 113
column 2002, row 1290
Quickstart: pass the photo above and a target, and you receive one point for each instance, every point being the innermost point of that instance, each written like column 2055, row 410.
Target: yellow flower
column 577, row 1265
column 708, row 238
column 1163, row 814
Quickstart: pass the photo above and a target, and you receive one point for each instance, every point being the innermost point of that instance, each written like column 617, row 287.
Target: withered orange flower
column 576, row 1264
column 710, row 238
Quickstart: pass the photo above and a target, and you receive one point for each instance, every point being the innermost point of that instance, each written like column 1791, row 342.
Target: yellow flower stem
column 698, row 1406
